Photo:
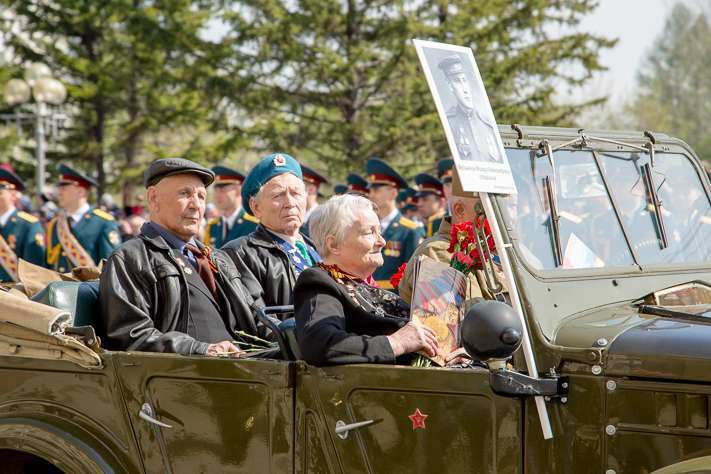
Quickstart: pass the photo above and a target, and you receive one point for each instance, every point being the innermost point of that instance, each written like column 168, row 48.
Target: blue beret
column 269, row 167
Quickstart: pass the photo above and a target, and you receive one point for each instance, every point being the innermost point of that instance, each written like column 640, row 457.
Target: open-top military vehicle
column 610, row 239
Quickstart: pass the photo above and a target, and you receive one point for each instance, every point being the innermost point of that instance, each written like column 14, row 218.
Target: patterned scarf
column 342, row 276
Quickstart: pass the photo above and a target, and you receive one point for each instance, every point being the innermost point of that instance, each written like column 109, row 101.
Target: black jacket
column 144, row 297
column 345, row 323
column 266, row 270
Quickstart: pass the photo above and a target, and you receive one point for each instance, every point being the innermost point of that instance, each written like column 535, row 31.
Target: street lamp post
column 40, row 85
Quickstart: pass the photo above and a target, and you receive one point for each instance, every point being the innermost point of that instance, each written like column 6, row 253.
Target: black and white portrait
column 465, row 112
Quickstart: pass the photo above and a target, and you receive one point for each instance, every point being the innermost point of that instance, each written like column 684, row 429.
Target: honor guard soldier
column 401, row 234
column 406, row 202
column 313, row 181
column 431, row 204
column 340, row 189
column 234, row 221
column 444, row 173
column 357, row 185
column 21, row 234
column 78, row 235
column 474, row 133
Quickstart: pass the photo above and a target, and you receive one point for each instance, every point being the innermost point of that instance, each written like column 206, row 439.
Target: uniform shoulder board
column 408, row 223
column 249, row 217
column 27, row 217
column 213, row 221
column 103, row 214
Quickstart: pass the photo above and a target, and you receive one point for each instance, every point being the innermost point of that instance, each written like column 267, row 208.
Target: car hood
column 640, row 345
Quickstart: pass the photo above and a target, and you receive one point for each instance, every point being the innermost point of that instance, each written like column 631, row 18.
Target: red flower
column 463, row 247
column 395, row 279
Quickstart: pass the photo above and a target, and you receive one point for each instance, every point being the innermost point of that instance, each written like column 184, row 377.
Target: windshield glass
column 685, row 209
column 590, row 235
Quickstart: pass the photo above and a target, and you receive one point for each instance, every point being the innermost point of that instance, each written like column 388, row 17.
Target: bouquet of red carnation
column 397, row 276
column 462, row 246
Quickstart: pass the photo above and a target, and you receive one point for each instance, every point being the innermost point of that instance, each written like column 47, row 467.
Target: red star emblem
column 418, row 419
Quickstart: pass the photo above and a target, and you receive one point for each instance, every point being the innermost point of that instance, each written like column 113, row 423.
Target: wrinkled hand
column 224, row 349
column 414, row 337
column 456, row 357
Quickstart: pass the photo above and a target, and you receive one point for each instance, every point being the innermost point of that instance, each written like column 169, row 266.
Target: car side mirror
column 491, row 332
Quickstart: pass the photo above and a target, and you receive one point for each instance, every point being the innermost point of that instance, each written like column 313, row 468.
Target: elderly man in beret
column 272, row 257
column 164, row 291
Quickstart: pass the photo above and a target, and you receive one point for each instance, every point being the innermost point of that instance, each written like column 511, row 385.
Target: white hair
column 335, row 217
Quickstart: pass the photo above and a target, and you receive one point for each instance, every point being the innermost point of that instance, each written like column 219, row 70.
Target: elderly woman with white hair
column 341, row 315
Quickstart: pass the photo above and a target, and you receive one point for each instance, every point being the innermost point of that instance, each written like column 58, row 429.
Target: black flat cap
column 164, row 167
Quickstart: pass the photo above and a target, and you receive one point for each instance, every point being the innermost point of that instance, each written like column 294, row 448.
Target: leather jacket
column 145, row 303
column 266, row 270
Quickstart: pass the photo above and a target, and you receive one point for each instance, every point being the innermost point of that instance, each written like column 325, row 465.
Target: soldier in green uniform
column 313, row 181
column 21, row 234
column 431, row 204
column 357, row 185
column 340, row 189
column 407, row 204
column 234, row 221
column 402, row 235
column 474, row 132
column 444, row 173
column 78, row 235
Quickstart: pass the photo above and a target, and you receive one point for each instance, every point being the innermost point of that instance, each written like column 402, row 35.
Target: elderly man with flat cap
column 79, row 235
column 164, row 291
column 272, row 257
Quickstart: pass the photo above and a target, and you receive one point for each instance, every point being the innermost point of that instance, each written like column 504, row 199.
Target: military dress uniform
column 357, row 184
column 402, row 235
column 218, row 231
column 474, row 132
column 311, row 176
column 22, row 234
column 88, row 241
column 428, row 184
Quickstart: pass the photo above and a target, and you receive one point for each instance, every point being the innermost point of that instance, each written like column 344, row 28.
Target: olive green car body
column 631, row 406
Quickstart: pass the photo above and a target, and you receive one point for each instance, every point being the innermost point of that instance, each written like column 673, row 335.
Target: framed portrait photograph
column 467, row 118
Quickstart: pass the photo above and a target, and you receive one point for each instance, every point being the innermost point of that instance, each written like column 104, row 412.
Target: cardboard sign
column 466, row 116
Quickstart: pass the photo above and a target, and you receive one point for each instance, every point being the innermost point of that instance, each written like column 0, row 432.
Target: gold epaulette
column 103, row 214
column 249, row 217
column 410, row 224
column 27, row 217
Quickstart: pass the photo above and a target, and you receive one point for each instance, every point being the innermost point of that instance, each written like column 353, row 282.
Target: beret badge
column 279, row 160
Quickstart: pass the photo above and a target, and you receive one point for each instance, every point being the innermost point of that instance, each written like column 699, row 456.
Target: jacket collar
column 152, row 236
column 263, row 238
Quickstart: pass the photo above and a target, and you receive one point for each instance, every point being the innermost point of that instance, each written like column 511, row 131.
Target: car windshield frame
column 635, row 264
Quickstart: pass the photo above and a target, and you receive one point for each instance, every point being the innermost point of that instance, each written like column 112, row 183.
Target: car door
column 425, row 420
column 197, row 414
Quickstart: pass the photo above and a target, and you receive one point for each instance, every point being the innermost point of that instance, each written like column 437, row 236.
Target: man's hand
column 224, row 349
column 414, row 337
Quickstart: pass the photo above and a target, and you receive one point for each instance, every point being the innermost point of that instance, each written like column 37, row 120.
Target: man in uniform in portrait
column 431, row 204
column 402, row 235
column 21, row 234
column 233, row 221
column 78, row 235
column 474, row 133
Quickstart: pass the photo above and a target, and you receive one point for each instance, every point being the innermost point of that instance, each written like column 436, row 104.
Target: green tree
column 674, row 83
column 336, row 82
column 132, row 68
